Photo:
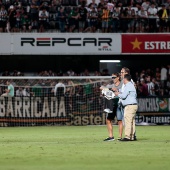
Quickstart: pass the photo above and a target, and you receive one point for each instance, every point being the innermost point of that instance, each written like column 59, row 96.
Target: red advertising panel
column 146, row 43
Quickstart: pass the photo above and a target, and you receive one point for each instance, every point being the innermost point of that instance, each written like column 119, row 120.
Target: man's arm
column 8, row 90
column 123, row 95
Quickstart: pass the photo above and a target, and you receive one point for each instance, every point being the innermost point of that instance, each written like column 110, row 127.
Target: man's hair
column 127, row 70
column 8, row 81
column 128, row 77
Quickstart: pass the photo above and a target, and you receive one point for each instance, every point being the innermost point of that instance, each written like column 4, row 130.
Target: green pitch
column 82, row 148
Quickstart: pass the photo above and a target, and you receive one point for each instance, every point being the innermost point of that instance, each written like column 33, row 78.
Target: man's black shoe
column 135, row 139
column 125, row 140
column 119, row 138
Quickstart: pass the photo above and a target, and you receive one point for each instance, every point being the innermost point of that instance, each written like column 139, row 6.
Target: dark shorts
column 110, row 104
column 111, row 116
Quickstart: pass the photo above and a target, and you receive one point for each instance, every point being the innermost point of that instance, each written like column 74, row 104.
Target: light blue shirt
column 128, row 95
column 11, row 90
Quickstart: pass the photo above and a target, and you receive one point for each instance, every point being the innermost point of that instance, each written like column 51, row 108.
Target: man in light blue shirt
column 128, row 98
column 10, row 91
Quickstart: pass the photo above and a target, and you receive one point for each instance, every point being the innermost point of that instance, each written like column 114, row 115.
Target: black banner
column 44, row 110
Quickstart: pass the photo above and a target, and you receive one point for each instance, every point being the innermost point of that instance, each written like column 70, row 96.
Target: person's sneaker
column 119, row 138
column 109, row 139
column 125, row 140
column 107, row 111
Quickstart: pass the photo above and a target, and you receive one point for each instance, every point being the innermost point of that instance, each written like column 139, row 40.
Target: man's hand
column 114, row 89
column 6, row 90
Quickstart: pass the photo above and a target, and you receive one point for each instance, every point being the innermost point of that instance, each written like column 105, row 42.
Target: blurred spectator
column 137, row 77
column 51, row 73
column 143, row 88
column 110, row 6
column 150, row 84
column 6, row 73
column 19, row 92
column 93, row 4
column 105, row 72
column 156, row 87
column 26, row 23
column 157, row 74
column 93, row 19
column 152, row 15
column 132, row 21
column 105, row 19
column 27, row 92
column 73, row 19
column 101, row 4
column 143, row 19
column 145, row 5
column 88, row 89
column 163, row 19
column 97, row 73
column 12, row 18
column 59, row 89
column 70, row 92
column 82, row 16
column 85, row 73
column 70, row 72
column 3, row 18
column 37, row 89
column 124, row 20
column 43, row 19
column 34, row 10
column 168, row 70
column 115, row 19
column 15, row 73
column 167, row 89
column 163, row 76
column 62, row 19
column 167, row 3
column 9, row 92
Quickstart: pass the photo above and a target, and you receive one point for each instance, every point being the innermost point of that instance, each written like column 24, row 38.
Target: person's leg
column 129, row 116
column 132, row 135
column 120, row 123
column 109, row 118
column 109, row 127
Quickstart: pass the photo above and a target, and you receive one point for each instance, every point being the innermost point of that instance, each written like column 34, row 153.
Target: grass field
column 82, row 148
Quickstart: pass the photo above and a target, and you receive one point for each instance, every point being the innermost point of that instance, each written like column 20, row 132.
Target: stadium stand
column 84, row 16
column 149, row 82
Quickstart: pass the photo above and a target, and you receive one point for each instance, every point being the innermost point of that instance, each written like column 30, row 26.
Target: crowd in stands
column 148, row 82
column 106, row 16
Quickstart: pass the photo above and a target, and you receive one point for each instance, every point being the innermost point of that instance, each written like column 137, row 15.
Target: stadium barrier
column 40, row 101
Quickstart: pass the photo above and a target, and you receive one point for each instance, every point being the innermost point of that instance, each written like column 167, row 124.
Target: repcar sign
column 68, row 41
column 69, row 44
